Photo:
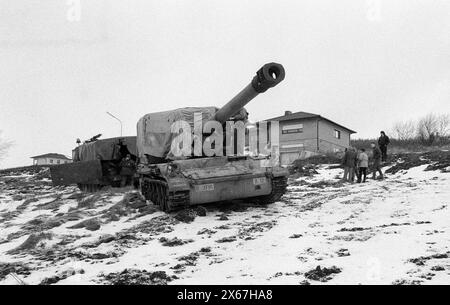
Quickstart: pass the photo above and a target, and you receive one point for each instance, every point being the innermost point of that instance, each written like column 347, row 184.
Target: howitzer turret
column 155, row 134
column 267, row 77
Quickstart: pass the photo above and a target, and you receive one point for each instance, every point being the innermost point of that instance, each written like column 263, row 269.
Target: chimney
column 287, row 112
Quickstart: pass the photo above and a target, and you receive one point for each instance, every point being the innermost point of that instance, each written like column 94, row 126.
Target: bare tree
column 427, row 128
column 443, row 125
column 404, row 130
column 4, row 147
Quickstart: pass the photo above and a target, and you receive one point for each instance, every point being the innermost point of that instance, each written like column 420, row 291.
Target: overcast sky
column 364, row 64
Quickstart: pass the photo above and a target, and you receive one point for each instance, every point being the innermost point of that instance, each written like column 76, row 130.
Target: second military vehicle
column 96, row 163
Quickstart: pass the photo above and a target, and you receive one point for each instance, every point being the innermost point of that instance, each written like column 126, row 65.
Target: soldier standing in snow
column 376, row 161
column 127, row 169
column 363, row 164
column 349, row 163
column 383, row 142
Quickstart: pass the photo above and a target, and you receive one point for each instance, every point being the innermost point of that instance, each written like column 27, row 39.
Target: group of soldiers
column 356, row 162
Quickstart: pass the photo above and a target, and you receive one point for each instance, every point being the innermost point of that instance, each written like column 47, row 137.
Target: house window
column 51, row 161
column 337, row 134
column 58, row 161
column 294, row 128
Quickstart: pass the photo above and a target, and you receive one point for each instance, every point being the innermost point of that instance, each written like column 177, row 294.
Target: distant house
column 303, row 134
column 50, row 159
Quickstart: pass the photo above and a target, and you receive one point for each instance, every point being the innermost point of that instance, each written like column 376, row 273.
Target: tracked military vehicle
column 173, row 181
column 96, row 163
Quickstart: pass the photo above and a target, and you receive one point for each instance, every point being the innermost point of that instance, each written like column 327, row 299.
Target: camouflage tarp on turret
column 154, row 136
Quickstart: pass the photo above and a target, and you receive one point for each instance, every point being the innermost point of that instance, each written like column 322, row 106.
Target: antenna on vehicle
column 117, row 120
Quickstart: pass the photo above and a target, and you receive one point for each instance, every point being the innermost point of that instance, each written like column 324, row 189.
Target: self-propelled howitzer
column 172, row 182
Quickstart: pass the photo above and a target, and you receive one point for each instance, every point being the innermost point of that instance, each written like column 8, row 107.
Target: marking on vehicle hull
column 205, row 187
column 259, row 181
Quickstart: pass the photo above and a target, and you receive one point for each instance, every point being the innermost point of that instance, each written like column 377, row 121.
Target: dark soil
column 310, row 206
column 319, row 159
column 60, row 276
column 205, row 250
column 138, row 277
column 233, row 206
column 249, row 230
column 394, row 225
column 154, row 226
column 186, row 216
column 302, row 168
column 51, row 205
column 45, row 223
column 325, row 183
column 420, row 261
column 227, row 239
column 355, row 229
column 438, row 160
column 406, row 282
column 342, row 252
column 30, row 243
column 18, row 268
column 25, row 185
column 134, row 200
column 322, row 274
column 131, row 203
column 201, row 211
column 295, row 236
column 25, row 204
column 89, row 201
column 31, row 170
column 76, row 196
column 223, row 217
column 206, row 231
column 90, row 224
column 104, row 239
column 190, row 259
column 174, row 241
column 437, row 268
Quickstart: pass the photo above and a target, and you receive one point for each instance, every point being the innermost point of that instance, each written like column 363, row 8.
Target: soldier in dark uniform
column 383, row 142
column 349, row 163
column 127, row 169
column 376, row 161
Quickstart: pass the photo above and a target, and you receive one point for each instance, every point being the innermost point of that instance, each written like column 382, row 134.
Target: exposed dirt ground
column 392, row 231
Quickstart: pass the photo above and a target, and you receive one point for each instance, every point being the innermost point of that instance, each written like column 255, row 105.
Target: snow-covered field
column 394, row 231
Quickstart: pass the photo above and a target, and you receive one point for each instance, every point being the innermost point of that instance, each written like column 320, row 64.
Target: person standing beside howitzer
column 383, row 142
column 376, row 161
column 127, row 169
column 363, row 164
column 349, row 163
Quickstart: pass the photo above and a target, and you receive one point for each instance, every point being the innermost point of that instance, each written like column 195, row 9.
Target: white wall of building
column 50, row 161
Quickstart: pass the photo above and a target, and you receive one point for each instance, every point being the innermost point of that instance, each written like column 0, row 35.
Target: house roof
column 51, row 155
column 306, row 115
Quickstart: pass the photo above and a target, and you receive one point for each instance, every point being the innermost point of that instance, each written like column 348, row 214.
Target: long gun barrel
column 268, row 76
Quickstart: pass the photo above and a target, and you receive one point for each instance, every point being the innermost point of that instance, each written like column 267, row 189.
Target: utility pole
column 117, row 120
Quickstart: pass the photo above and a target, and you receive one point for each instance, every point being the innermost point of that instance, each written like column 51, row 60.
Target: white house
column 303, row 133
column 50, row 159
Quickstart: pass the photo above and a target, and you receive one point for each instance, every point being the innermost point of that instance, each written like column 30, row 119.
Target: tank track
column 279, row 185
column 157, row 191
